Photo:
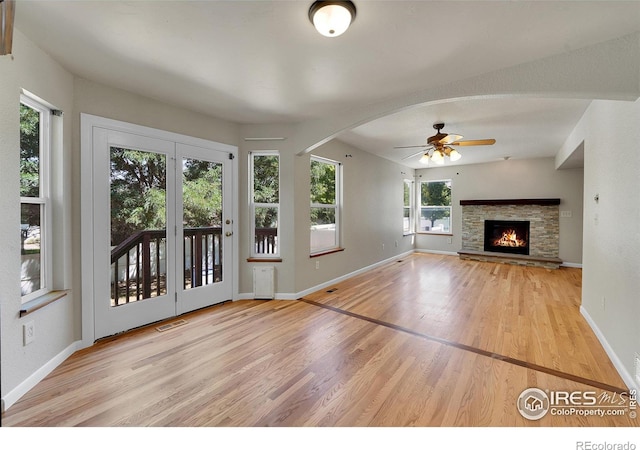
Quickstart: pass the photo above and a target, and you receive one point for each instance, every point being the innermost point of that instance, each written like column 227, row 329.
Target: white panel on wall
column 264, row 283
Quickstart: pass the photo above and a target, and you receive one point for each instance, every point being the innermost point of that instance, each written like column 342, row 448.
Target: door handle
column 228, row 233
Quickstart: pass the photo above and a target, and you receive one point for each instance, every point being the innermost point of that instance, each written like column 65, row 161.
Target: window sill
column 434, row 233
column 255, row 259
column 326, row 252
column 41, row 302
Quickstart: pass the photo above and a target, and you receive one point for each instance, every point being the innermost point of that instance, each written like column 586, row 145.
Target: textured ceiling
column 262, row 62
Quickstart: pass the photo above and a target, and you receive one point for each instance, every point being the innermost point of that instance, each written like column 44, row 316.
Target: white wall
column 611, row 261
column 528, row 178
column 372, row 214
column 56, row 325
column 285, row 270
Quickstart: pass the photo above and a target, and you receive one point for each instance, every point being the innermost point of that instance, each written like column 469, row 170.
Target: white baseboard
column 435, row 252
column 350, row 275
column 570, row 264
column 297, row 295
column 15, row 394
column 278, row 296
column 624, row 373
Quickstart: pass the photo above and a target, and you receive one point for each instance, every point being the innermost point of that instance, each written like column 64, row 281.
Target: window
column 408, row 222
column 435, row 206
column 35, row 205
column 325, row 210
column 265, row 203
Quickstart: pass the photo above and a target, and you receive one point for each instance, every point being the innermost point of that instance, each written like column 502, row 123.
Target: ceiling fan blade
column 475, row 142
column 450, row 139
column 411, row 156
column 413, row 146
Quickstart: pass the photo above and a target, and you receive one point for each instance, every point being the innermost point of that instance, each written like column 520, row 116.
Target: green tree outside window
column 435, row 206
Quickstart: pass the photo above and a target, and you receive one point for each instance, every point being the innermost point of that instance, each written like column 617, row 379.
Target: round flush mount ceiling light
column 331, row 19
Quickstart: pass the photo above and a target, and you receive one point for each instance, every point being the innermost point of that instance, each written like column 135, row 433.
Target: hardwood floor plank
column 428, row 341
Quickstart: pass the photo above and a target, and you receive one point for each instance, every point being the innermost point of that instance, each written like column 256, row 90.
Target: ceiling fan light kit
column 439, row 146
column 437, row 157
column 454, row 155
column 332, row 19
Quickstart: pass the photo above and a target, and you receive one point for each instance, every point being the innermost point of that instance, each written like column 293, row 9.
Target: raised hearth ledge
column 516, row 201
column 511, row 258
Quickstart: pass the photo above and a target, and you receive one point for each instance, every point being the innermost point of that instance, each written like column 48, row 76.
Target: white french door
column 162, row 229
column 205, row 232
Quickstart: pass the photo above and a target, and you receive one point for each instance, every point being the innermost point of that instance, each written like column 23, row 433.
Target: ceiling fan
column 440, row 146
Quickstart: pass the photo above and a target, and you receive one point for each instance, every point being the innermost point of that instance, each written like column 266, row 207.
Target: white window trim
column 419, row 207
column 412, row 207
column 44, row 199
column 337, row 206
column 253, row 205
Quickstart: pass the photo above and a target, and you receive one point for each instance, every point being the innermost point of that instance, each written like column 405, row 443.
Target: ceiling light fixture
column 437, row 156
column 331, row 19
column 425, row 159
column 454, row 155
column 439, row 145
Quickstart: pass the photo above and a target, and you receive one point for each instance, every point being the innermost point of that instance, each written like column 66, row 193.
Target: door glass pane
column 202, row 222
column 138, row 181
column 31, row 265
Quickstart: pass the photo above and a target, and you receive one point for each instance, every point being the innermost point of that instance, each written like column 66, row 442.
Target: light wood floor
column 426, row 341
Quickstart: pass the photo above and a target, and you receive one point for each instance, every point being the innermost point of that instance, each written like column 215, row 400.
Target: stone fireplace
column 519, row 231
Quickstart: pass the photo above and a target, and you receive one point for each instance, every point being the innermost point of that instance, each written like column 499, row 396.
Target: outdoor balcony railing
column 138, row 264
column 266, row 241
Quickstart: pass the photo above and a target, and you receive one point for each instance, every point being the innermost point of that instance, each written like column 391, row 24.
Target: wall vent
column 264, row 283
column 171, row 325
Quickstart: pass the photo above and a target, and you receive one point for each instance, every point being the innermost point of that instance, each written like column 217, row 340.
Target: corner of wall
column 626, row 376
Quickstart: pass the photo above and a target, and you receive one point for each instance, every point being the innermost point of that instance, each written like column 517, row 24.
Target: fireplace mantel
column 518, row 201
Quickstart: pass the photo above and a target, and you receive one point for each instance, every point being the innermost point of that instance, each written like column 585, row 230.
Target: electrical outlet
column 604, row 303
column 449, row 241
column 396, row 243
column 28, row 332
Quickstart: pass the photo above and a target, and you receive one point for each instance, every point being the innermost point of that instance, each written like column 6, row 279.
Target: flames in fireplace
column 506, row 236
column 510, row 238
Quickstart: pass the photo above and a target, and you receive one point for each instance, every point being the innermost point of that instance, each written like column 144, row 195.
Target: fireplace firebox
column 506, row 236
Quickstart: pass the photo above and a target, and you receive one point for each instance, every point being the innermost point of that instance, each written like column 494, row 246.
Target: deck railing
column 133, row 277
column 266, row 241
column 139, row 263
column 139, row 267
column 202, row 256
